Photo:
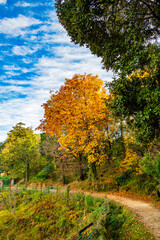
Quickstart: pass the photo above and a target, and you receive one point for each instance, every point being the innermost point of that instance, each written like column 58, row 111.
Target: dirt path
column 148, row 214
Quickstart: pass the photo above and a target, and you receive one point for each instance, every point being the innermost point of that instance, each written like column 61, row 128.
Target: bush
column 45, row 173
column 151, row 166
column 124, row 177
column 4, row 178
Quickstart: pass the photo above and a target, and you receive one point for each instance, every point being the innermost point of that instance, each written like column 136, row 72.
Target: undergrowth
column 41, row 215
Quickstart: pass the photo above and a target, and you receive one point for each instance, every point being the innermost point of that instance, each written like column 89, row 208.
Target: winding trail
column 146, row 212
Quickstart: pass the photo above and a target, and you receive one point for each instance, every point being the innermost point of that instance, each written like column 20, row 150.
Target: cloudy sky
column 36, row 56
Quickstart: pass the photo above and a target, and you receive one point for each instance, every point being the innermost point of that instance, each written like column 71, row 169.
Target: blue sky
column 36, row 56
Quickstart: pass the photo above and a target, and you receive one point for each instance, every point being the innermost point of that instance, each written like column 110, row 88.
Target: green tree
column 1, row 147
column 123, row 33
column 137, row 100
column 21, row 151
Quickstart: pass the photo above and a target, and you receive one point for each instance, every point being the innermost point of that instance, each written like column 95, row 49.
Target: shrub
column 47, row 170
column 151, row 166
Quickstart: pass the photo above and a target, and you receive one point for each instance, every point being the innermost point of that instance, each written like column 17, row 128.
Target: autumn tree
column 125, row 34
column 21, row 151
column 77, row 116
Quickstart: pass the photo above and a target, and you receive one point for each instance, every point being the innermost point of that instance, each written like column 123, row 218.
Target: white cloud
column 66, row 62
column 11, row 68
column 13, row 89
column 56, row 38
column 27, row 60
column 23, row 50
column 51, row 27
column 19, row 110
column 71, row 53
column 3, row 1
column 26, row 4
column 17, row 82
column 4, row 134
column 16, row 26
column 27, row 110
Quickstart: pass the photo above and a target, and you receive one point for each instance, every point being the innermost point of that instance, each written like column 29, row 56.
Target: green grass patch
column 53, row 216
column 126, row 226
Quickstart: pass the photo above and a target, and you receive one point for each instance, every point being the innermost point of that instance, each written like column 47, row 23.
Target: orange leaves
column 77, row 115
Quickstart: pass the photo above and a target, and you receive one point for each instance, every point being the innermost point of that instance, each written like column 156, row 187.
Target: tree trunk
column 122, row 137
column 94, row 170
column 11, row 178
column 81, row 167
column 109, row 154
column 62, row 170
column 109, row 145
column 26, row 176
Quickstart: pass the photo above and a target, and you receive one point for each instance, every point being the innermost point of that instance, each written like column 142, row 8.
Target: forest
column 92, row 136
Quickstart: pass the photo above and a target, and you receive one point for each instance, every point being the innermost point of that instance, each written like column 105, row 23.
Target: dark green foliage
column 124, row 177
column 89, row 203
column 137, row 99
column 46, row 172
column 118, row 150
column 118, row 31
column 151, row 166
column 6, row 180
column 2, row 168
column 1, row 145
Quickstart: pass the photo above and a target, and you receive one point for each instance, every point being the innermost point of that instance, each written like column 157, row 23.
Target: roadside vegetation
column 40, row 215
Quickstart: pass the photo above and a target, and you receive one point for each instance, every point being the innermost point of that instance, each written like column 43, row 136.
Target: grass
column 126, row 226
column 54, row 216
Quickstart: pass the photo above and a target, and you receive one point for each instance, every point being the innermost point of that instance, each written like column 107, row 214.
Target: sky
column 36, row 57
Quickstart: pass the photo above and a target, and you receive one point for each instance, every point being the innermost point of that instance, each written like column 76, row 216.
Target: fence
column 80, row 237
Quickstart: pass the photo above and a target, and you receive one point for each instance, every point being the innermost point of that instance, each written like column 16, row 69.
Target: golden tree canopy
column 77, row 115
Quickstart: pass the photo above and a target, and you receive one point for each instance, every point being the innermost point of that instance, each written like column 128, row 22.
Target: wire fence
column 105, row 212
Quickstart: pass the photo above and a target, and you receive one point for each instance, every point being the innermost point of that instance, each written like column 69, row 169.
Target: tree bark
column 109, row 145
column 94, row 170
column 62, row 170
column 122, row 137
column 81, row 167
column 26, row 175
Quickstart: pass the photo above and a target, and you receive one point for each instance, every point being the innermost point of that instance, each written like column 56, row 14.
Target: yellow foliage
column 140, row 74
column 77, row 115
column 131, row 160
